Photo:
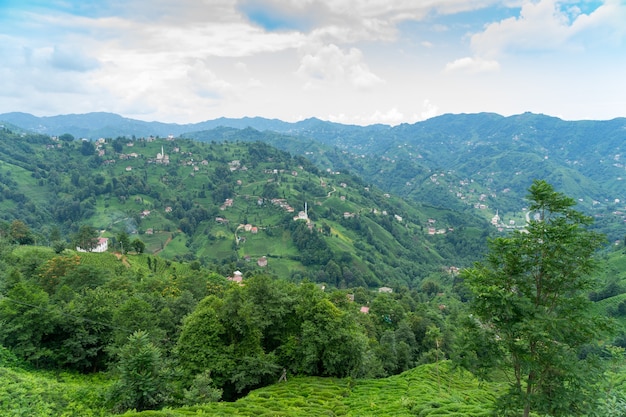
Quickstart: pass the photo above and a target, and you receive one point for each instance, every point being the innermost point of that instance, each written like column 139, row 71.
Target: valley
column 338, row 253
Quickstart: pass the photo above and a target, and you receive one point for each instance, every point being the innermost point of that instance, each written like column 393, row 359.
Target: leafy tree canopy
column 531, row 294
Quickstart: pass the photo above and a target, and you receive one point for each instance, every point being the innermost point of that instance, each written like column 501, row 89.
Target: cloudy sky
column 349, row 61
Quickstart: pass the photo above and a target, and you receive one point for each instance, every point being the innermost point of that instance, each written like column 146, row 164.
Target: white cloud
column 203, row 81
column 329, row 64
column 187, row 60
column 545, row 25
column 472, row 65
column 391, row 116
column 430, row 110
column 331, row 21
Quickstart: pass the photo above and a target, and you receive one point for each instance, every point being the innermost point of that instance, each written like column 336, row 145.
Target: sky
column 348, row 61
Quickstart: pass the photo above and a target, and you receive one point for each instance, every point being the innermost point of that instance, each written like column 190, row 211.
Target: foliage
column 28, row 393
column 415, row 392
column 141, row 384
column 138, row 245
column 532, row 292
column 86, row 238
column 202, row 390
column 246, row 337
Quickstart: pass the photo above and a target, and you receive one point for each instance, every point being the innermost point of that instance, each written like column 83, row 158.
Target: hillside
column 235, row 205
column 469, row 163
column 428, row 390
column 339, row 279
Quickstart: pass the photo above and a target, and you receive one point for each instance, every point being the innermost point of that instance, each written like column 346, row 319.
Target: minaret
column 306, row 210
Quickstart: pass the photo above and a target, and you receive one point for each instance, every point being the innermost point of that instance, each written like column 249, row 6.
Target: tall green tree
column 142, row 383
column 531, row 292
column 86, row 238
column 124, row 242
column 138, row 245
column 21, row 233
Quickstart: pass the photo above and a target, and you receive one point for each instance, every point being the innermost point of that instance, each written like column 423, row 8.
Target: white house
column 102, row 246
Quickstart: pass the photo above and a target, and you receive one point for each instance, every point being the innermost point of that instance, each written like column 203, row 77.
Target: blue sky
column 349, row 61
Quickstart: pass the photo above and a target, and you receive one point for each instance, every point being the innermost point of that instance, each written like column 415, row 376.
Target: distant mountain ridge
column 102, row 124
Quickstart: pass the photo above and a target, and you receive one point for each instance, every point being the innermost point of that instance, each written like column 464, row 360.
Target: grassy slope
column 423, row 391
column 24, row 393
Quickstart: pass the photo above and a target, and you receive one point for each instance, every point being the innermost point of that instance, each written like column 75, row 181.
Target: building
column 237, row 277
column 162, row 158
column 303, row 215
column 102, row 246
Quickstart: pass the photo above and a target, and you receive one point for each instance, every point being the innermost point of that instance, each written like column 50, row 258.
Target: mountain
column 472, row 162
column 235, row 205
column 468, row 163
column 108, row 125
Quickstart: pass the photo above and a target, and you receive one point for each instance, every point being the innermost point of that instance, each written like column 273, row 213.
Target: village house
column 236, row 277
column 262, row 261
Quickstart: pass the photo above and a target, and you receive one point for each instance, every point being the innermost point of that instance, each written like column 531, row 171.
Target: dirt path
column 167, row 241
column 123, row 259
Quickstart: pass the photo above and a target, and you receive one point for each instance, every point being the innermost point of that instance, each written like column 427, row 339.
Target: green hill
column 428, row 390
column 347, row 247
column 458, row 162
column 232, row 205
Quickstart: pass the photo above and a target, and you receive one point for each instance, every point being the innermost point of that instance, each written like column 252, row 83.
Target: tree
column 28, row 322
column 531, row 292
column 87, row 148
column 138, row 245
column 202, row 346
column 86, row 238
column 66, row 137
column 20, row 233
column 124, row 242
column 142, row 382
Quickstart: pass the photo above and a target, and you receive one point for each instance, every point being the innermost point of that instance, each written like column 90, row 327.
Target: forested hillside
column 399, row 271
column 95, row 312
column 470, row 163
column 233, row 205
column 473, row 163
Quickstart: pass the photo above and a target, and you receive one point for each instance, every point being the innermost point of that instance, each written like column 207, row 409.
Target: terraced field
column 428, row 390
